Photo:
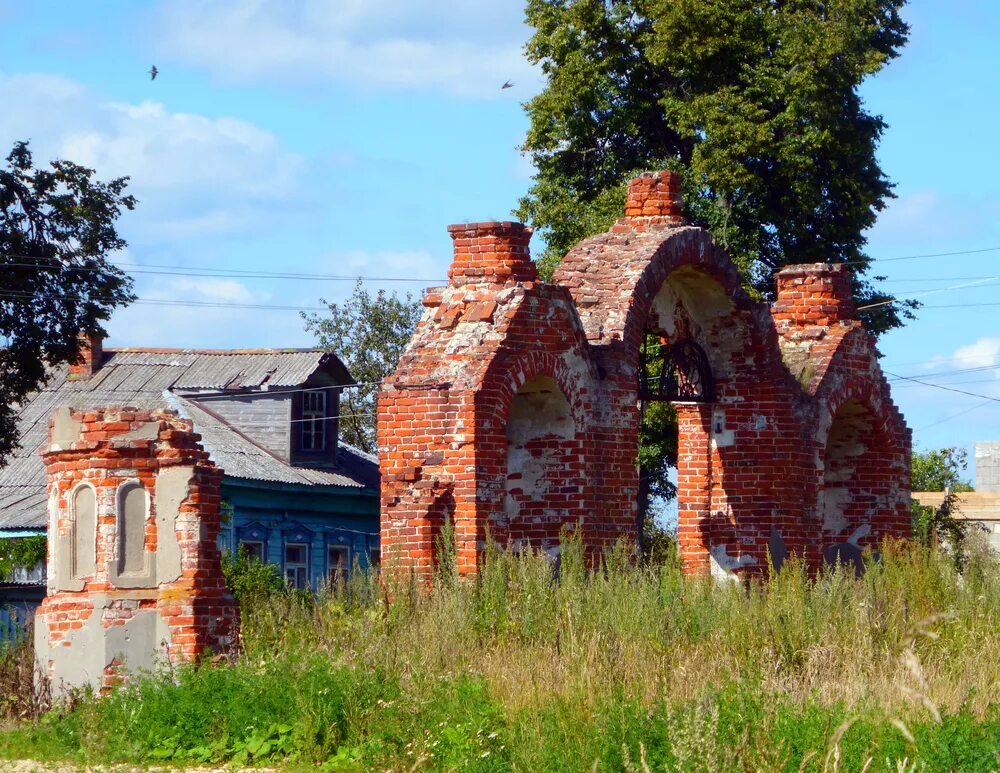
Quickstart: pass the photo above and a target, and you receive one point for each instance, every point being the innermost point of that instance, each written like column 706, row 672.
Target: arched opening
column 856, row 490
column 544, row 485
column 688, row 351
column 84, row 513
column 132, row 513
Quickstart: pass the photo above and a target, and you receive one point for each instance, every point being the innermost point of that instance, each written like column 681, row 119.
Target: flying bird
column 153, row 72
column 506, row 85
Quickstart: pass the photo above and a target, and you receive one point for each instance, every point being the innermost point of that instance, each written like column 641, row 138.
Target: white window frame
column 314, row 407
column 299, row 570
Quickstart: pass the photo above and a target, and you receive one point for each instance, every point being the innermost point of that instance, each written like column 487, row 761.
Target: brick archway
column 504, row 366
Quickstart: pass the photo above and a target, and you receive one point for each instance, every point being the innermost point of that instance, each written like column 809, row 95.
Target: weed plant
column 621, row 668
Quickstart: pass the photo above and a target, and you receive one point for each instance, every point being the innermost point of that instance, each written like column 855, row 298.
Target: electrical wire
column 207, row 271
column 946, row 388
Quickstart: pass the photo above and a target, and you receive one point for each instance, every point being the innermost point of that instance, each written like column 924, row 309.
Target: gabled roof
column 172, row 378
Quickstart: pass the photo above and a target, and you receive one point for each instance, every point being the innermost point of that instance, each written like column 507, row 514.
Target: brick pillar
column 134, row 570
column 491, row 253
column 812, row 295
column 694, row 485
column 91, row 358
column 654, row 197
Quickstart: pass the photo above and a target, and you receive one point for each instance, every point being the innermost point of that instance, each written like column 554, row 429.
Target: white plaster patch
column 723, row 565
column 833, row 504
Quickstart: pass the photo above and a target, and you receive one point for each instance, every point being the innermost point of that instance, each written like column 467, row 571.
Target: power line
column 983, row 404
column 990, row 280
column 975, row 369
column 207, row 271
column 197, row 397
column 28, row 295
column 946, row 388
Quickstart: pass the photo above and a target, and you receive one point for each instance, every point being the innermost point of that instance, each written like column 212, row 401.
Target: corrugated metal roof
column 242, row 458
column 143, row 379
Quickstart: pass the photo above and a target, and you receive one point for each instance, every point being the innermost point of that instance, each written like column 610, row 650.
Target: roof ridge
column 218, row 352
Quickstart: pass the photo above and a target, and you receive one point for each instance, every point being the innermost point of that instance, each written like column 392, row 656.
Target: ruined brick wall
column 515, row 408
column 134, row 570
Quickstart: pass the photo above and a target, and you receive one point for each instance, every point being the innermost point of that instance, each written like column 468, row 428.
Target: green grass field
column 626, row 668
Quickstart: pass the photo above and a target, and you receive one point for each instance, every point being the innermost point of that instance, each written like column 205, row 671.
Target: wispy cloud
column 193, row 175
column 466, row 48
column 983, row 353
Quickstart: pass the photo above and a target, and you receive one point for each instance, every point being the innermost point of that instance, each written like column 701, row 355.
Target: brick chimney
column 655, row 197
column 813, row 295
column 91, row 357
column 493, row 253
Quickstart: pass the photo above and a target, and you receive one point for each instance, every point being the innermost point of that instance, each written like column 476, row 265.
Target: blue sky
column 342, row 138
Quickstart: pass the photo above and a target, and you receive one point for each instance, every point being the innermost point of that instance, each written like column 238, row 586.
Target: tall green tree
column 369, row 333
column 939, row 469
column 57, row 228
column 755, row 101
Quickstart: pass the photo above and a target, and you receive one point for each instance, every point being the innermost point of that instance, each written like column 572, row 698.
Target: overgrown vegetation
column 626, row 668
column 23, row 552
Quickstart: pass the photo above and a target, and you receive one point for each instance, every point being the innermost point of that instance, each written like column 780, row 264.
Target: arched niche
column 83, row 511
column 858, row 485
column 133, row 565
column 544, row 489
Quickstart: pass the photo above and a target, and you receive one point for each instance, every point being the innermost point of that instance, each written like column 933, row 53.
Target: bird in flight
column 153, row 72
column 506, row 85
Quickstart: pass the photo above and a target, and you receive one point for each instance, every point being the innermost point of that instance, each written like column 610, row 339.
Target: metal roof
column 144, row 379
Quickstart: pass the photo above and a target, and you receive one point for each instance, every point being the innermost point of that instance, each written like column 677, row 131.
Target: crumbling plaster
column 774, row 464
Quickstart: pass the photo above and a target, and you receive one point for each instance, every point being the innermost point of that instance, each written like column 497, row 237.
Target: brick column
column 694, row 485
column 134, row 570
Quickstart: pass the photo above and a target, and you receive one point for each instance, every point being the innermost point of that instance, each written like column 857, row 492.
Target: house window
column 339, row 563
column 297, row 565
column 253, row 549
column 313, row 421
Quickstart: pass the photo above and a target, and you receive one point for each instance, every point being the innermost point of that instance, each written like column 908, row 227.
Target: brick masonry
column 514, row 410
column 135, row 576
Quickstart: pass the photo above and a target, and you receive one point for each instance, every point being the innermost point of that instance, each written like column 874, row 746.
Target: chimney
column 655, row 197
column 493, row 253
column 91, row 357
column 813, row 295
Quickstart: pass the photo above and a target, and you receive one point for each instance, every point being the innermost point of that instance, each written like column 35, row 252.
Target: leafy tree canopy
column 368, row 332
column 939, row 470
column 57, row 226
column 755, row 101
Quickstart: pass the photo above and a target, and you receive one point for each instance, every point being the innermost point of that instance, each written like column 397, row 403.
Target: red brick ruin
column 134, row 575
column 515, row 409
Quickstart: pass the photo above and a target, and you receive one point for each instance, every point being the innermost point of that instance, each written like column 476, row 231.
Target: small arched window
column 84, row 544
column 132, row 509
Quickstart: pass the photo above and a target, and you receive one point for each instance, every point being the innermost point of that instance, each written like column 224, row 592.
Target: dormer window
column 314, row 420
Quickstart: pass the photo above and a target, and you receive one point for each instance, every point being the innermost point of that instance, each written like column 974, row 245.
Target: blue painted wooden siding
column 15, row 617
column 317, row 519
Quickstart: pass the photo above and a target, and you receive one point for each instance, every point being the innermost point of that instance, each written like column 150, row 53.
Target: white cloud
column 193, row 175
column 462, row 47
column 207, row 289
column 982, row 353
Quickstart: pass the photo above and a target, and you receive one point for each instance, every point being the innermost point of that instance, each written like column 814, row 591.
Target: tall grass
column 625, row 667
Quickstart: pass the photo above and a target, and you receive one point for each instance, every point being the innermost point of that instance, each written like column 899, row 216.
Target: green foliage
column 57, row 227
column 248, row 579
column 627, row 667
column 26, row 552
column 939, row 470
column 755, row 101
column 369, row 334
